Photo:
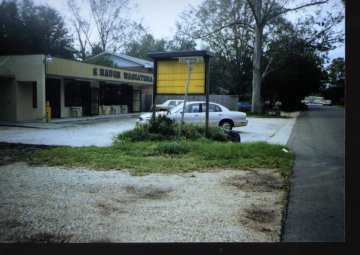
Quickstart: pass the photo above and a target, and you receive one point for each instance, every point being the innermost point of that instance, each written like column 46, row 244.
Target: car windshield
column 178, row 107
column 173, row 103
column 212, row 107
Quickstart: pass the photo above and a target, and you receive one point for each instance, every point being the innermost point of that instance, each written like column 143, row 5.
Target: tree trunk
column 256, row 106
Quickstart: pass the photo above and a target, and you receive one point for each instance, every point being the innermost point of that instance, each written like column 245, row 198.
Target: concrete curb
column 68, row 122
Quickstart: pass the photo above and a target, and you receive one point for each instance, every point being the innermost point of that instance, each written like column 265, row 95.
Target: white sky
column 159, row 16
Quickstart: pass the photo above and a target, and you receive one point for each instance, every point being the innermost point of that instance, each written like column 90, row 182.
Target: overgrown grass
column 158, row 148
column 145, row 157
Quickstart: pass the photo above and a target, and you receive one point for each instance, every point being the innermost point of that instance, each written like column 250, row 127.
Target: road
column 316, row 204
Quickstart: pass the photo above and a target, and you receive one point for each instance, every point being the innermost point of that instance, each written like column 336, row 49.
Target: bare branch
column 281, row 10
column 245, row 25
column 252, row 7
column 267, row 68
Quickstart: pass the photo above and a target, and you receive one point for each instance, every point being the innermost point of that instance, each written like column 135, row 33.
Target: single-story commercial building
column 30, row 83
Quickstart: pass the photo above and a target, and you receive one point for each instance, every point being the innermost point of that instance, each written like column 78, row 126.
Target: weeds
column 155, row 148
column 167, row 157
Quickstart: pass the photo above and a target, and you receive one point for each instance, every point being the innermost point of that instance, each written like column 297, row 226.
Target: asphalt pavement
column 316, row 205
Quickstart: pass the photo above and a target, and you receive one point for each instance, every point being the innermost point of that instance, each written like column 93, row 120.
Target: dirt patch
column 260, row 215
column 107, row 208
column 262, row 220
column 10, row 153
column 256, row 181
column 147, row 192
column 10, row 223
column 45, row 238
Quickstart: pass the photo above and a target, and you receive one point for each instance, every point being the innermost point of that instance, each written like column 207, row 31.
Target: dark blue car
column 244, row 106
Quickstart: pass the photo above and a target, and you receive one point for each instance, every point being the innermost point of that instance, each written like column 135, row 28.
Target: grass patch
column 144, row 157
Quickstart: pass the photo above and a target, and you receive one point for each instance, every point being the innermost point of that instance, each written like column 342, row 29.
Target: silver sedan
column 195, row 112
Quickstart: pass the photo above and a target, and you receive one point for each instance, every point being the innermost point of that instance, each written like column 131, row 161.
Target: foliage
column 299, row 78
column 250, row 41
column 231, row 67
column 147, row 43
column 102, row 60
column 141, row 158
column 29, row 29
column 335, row 88
column 162, row 128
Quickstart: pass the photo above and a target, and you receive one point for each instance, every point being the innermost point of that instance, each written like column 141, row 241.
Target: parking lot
column 101, row 132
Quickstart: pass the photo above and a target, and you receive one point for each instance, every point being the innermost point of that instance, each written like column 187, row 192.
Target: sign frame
column 184, row 56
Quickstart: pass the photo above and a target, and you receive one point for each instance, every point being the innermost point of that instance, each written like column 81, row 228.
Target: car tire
column 226, row 125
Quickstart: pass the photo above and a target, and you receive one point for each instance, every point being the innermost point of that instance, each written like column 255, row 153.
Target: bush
column 162, row 128
column 191, row 132
column 162, row 125
column 218, row 134
column 139, row 133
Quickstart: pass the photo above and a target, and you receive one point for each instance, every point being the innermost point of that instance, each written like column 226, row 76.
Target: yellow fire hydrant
column 48, row 111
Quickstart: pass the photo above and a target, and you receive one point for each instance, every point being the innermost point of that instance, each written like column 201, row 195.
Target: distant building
column 72, row 88
column 127, row 62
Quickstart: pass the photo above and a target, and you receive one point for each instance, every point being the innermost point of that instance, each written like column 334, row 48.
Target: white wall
column 25, row 68
column 25, row 110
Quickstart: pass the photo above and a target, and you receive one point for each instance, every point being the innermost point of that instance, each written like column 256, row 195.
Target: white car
column 168, row 104
column 195, row 114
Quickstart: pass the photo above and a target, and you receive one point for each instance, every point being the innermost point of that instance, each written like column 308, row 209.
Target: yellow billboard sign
column 172, row 76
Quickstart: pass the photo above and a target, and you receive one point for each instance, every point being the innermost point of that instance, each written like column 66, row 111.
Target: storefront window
column 76, row 92
column 34, row 94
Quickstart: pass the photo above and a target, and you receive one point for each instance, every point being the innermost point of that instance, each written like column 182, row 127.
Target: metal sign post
column 190, row 61
column 186, row 91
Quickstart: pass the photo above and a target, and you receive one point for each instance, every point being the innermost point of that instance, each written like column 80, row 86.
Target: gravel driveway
column 55, row 204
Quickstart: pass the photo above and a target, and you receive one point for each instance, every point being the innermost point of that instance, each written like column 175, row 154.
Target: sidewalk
column 68, row 122
column 271, row 130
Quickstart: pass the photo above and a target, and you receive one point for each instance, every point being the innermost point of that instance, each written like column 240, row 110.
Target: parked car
column 244, row 106
column 327, row 102
column 195, row 112
column 168, row 104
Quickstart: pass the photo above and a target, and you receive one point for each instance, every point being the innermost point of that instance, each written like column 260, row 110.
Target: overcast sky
column 159, row 16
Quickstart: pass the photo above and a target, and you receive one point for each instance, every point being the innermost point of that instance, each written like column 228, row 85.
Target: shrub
column 139, row 133
column 191, row 132
column 162, row 128
column 217, row 134
column 162, row 125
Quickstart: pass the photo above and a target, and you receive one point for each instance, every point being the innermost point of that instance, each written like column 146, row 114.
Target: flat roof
column 176, row 54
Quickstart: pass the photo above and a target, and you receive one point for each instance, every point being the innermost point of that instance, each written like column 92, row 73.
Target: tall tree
column 29, row 29
column 108, row 25
column 229, row 42
column 254, row 21
column 81, row 28
column 263, row 12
